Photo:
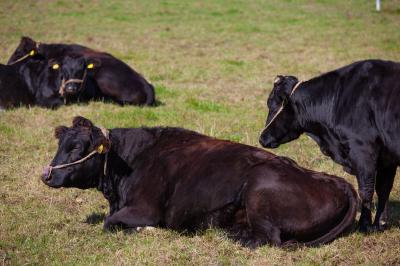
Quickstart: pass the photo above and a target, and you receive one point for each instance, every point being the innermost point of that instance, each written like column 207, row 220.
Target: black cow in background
column 353, row 113
column 179, row 179
column 14, row 91
column 115, row 79
column 41, row 80
column 76, row 83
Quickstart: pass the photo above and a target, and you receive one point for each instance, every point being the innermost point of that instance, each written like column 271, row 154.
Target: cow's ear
column 278, row 79
column 101, row 140
column 59, row 131
column 54, row 64
column 92, row 63
column 25, row 41
column 80, row 121
column 284, row 86
column 103, row 146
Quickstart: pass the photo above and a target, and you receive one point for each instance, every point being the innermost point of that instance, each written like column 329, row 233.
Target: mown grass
column 213, row 63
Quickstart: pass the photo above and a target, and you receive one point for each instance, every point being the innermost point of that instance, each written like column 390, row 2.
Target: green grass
column 213, row 64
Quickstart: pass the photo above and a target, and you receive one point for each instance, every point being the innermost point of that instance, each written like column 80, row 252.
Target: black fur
column 179, row 179
column 353, row 114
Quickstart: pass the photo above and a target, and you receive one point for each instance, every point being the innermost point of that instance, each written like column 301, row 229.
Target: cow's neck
column 314, row 104
column 315, row 108
column 126, row 145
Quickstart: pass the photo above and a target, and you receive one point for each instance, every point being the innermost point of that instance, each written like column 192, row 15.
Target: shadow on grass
column 95, row 218
column 394, row 213
column 157, row 103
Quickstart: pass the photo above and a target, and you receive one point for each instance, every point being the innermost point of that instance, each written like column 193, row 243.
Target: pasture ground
column 213, row 64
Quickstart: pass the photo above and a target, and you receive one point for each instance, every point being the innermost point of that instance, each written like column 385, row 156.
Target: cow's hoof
column 382, row 226
column 369, row 229
column 130, row 231
column 110, row 228
column 365, row 229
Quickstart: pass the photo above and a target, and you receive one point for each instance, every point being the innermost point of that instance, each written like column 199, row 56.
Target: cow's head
column 74, row 71
column 284, row 126
column 26, row 48
column 75, row 143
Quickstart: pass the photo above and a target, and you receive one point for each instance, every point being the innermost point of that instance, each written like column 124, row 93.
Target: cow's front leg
column 364, row 159
column 131, row 218
column 366, row 184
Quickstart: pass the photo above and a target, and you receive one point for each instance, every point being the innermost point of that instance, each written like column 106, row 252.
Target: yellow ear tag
column 90, row 66
column 32, row 53
column 56, row 66
column 100, row 149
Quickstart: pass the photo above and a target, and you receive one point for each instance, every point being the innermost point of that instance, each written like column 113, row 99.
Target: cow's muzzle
column 46, row 174
column 72, row 88
column 267, row 143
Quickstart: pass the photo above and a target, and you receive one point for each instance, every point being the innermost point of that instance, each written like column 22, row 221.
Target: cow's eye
column 77, row 146
column 74, row 147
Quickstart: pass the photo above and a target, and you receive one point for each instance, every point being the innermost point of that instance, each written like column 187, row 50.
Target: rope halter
column 98, row 150
column 31, row 53
column 64, row 83
column 282, row 106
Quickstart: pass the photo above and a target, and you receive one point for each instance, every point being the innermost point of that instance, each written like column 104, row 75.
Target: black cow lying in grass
column 353, row 114
column 76, row 82
column 14, row 91
column 30, row 81
column 115, row 79
column 179, row 179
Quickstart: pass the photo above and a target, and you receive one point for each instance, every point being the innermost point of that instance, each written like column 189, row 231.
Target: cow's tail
column 343, row 227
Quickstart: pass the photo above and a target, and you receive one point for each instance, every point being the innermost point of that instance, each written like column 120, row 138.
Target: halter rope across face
column 31, row 53
column 282, row 106
column 99, row 150
column 64, row 83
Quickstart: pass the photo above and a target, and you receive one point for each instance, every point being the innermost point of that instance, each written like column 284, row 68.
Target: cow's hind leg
column 263, row 232
column 253, row 230
column 384, row 183
column 258, row 230
column 257, row 235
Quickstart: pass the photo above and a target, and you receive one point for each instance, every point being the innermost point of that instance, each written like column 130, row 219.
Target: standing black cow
column 353, row 114
column 14, row 91
column 183, row 180
column 114, row 78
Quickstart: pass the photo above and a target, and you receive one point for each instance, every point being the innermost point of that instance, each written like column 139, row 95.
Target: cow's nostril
column 46, row 174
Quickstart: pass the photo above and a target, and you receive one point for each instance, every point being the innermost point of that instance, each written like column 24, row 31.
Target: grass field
column 213, row 64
